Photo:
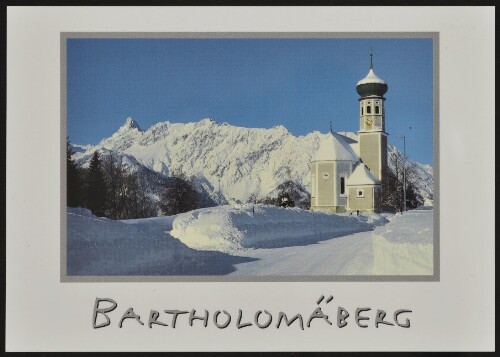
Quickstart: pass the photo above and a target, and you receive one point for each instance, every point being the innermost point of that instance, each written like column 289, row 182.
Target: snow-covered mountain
column 240, row 162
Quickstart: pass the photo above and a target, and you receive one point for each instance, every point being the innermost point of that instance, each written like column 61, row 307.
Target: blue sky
column 302, row 84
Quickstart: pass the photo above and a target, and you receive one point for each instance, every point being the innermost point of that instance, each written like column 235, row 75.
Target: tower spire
column 331, row 127
column 371, row 58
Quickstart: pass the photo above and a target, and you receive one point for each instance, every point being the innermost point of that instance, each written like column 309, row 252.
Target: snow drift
column 100, row 246
column 405, row 246
column 237, row 228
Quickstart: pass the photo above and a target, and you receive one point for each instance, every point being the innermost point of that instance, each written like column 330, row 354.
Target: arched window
column 342, row 186
column 368, row 109
column 377, row 109
column 361, row 110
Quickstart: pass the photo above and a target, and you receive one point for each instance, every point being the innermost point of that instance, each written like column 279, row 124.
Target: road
column 404, row 246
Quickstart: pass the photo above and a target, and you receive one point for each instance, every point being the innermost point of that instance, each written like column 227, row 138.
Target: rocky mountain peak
column 130, row 124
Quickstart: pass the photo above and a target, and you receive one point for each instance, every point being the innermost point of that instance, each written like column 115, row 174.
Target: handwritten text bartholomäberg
column 261, row 318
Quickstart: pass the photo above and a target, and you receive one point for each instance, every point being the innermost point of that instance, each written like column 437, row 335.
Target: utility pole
column 219, row 192
column 404, row 171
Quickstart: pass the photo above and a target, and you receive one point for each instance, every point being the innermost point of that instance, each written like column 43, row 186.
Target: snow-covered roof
column 351, row 138
column 335, row 148
column 371, row 77
column 362, row 176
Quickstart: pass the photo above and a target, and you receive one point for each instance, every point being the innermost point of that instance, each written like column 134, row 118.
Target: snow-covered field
column 251, row 241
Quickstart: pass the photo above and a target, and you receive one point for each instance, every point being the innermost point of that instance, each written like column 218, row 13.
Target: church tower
column 372, row 137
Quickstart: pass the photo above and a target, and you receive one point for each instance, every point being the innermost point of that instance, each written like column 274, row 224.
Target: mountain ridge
column 244, row 162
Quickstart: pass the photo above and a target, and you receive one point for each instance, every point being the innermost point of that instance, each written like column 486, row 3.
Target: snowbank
column 234, row 229
column 403, row 258
column 101, row 246
column 405, row 246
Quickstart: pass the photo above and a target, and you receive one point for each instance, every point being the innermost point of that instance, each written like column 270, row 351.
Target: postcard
column 251, row 186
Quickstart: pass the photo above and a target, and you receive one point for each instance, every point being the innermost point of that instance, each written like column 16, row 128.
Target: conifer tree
column 73, row 180
column 96, row 195
column 114, row 176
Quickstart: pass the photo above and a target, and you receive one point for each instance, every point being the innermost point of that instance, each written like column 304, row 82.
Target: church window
column 368, row 109
column 361, row 110
column 342, row 186
column 377, row 109
column 360, row 193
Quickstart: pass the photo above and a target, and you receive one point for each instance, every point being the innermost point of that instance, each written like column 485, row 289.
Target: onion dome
column 371, row 85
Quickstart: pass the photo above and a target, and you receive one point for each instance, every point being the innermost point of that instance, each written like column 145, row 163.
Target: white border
column 456, row 313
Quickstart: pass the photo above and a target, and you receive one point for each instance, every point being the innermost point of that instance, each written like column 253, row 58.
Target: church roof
column 351, row 139
column 371, row 85
column 371, row 77
column 362, row 176
column 335, row 148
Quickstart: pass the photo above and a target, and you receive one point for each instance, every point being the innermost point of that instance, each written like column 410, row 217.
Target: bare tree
column 127, row 195
column 179, row 195
column 392, row 187
column 114, row 174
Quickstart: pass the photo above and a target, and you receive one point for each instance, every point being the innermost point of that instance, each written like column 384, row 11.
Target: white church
column 346, row 175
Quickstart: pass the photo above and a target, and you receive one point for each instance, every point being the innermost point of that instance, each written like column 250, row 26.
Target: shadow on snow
column 104, row 247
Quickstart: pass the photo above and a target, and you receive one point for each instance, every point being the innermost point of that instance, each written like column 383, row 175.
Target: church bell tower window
column 368, row 109
column 377, row 109
column 342, row 186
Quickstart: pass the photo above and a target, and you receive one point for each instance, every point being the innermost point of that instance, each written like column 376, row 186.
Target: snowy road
column 401, row 247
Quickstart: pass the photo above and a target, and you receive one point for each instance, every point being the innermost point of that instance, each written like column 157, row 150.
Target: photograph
column 249, row 157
